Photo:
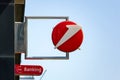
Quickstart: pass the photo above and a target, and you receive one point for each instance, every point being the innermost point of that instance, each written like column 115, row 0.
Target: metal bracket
column 21, row 43
column 19, row 37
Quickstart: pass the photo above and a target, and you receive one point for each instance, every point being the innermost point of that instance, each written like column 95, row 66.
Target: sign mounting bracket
column 66, row 57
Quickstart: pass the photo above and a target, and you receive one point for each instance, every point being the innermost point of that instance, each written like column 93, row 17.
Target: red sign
column 28, row 69
column 67, row 36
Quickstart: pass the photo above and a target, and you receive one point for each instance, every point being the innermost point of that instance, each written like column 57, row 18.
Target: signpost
column 67, row 36
column 28, row 70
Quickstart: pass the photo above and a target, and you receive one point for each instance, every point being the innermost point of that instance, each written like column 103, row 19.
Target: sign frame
column 66, row 57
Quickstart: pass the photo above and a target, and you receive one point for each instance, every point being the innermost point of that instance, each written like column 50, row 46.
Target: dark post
column 19, row 17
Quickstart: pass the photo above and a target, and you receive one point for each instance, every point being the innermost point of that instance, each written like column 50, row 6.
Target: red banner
column 28, row 70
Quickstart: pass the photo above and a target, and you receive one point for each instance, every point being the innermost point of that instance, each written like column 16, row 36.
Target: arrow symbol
column 18, row 69
column 72, row 30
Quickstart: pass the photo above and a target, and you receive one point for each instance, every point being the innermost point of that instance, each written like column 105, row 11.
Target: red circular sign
column 67, row 36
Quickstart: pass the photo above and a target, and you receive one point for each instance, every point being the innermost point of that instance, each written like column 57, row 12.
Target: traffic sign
column 67, row 36
column 28, row 70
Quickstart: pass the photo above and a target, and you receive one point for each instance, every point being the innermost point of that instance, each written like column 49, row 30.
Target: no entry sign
column 28, row 70
column 67, row 36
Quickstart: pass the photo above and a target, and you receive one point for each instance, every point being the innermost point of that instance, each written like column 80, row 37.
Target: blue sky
column 99, row 57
